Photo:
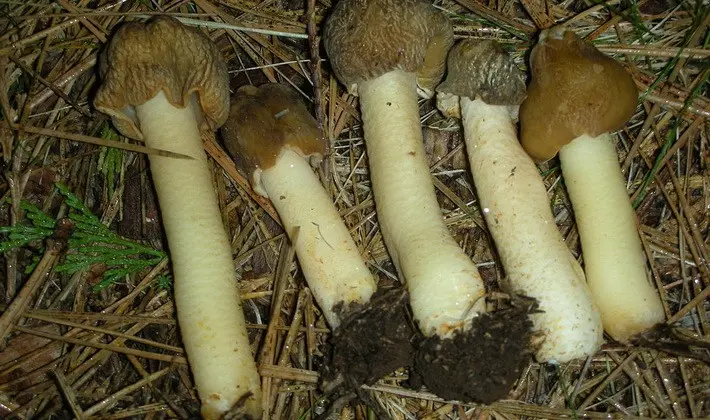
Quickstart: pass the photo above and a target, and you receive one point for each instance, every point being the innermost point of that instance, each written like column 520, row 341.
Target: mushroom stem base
column 444, row 285
column 536, row 260
column 373, row 340
column 208, row 306
column 613, row 256
column 329, row 258
column 480, row 364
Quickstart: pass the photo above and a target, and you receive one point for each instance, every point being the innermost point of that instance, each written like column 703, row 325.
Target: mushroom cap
column 144, row 58
column 575, row 90
column 263, row 121
column 365, row 39
column 482, row 69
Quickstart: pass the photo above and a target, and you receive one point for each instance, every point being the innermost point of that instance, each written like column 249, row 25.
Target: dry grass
column 115, row 353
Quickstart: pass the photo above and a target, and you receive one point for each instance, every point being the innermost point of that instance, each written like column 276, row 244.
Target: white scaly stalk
column 208, row 306
column 613, row 256
column 326, row 252
column 536, row 260
column 444, row 285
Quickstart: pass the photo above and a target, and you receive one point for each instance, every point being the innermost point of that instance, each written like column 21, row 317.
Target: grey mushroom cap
column 365, row 39
column 481, row 69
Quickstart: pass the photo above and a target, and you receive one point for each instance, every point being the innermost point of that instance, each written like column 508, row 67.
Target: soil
column 372, row 341
column 479, row 365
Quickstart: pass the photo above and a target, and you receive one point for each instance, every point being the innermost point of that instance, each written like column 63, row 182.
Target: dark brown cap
column 482, row 69
column 265, row 120
column 575, row 90
column 365, row 39
column 144, row 58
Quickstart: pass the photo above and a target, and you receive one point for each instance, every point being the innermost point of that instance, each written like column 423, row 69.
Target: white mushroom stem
column 444, row 285
column 329, row 258
column 206, row 296
column 536, row 260
column 613, row 256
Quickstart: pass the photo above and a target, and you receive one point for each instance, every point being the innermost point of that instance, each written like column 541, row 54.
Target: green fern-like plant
column 21, row 235
column 110, row 159
column 90, row 243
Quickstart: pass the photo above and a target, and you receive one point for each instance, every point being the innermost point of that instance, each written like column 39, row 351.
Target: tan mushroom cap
column 365, row 39
column 482, row 69
column 144, row 58
column 575, row 90
column 266, row 120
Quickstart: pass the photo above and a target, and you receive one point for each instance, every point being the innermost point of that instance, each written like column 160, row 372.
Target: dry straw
column 116, row 352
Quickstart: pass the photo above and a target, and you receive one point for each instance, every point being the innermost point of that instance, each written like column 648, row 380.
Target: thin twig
column 268, row 349
column 219, row 25
column 114, row 348
column 227, row 164
column 50, row 86
column 114, row 398
column 23, row 298
column 69, row 394
column 100, row 142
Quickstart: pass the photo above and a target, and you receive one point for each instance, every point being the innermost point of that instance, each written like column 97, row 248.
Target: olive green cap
column 575, row 90
column 264, row 121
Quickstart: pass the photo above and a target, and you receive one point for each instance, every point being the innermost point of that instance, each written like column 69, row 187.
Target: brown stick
column 69, row 395
column 99, row 142
column 57, row 91
column 316, row 79
column 227, row 164
column 537, row 9
column 20, row 302
column 114, row 348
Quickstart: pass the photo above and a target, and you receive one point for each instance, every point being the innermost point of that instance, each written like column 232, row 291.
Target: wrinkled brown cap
column 143, row 58
column 482, row 69
column 575, row 90
column 265, row 120
column 365, row 39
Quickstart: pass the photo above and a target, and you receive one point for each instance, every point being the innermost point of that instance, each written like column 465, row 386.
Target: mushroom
column 484, row 87
column 162, row 83
column 380, row 49
column 272, row 136
column 576, row 98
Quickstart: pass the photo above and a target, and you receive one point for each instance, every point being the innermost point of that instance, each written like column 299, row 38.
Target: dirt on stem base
column 480, row 364
column 372, row 341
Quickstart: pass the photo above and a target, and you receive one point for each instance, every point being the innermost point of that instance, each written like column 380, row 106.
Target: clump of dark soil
column 479, row 365
column 372, row 341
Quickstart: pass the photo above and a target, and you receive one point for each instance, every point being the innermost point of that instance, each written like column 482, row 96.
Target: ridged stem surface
column 444, row 285
column 611, row 247
column 536, row 260
column 329, row 258
column 209, row 310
